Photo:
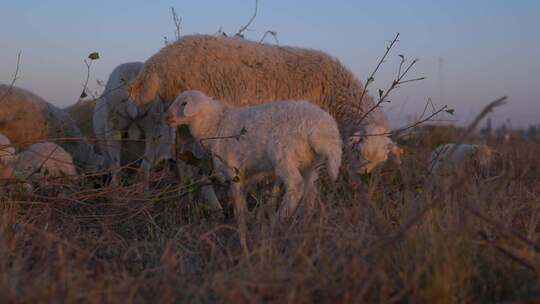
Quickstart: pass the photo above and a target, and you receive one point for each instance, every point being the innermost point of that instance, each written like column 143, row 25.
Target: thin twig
column 14, row 78
column 245, row 27
column 273, row 33
column 371, row 78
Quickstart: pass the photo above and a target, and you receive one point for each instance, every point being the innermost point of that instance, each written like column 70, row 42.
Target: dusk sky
column 489, row 48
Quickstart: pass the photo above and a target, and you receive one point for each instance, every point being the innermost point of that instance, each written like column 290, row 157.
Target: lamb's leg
column 310, row 191
column 294, row 188
column 113, row 150
column 239, row 203
column 150, row 155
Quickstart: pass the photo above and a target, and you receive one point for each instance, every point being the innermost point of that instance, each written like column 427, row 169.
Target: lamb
column 375, row 149
column 286, row 138
column 27, row 118
column 43, row 160
column 115, row 116
column 467, row 158
column 7, row 154
column 240, row 72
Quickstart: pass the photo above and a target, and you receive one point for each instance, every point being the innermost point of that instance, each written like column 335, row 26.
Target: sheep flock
column 221, row 169
column 258, row 112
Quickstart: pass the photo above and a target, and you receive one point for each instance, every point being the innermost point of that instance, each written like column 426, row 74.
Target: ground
column 478, row 243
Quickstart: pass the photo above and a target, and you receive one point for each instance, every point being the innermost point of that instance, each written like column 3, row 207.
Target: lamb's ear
column 192, row 108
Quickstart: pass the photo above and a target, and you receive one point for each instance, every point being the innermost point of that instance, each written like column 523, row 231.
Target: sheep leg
column 113, row 150
column 239, row 203
column 310, row 191
column 294, row 188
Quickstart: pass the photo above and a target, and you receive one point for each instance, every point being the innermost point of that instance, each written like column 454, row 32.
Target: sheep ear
column 192, row 108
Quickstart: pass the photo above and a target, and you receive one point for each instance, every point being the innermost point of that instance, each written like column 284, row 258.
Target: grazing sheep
column 375, row 147
column 467, row 158
column 285, row 138
column 116, row 117
column 26, row 119
column 464, row 156
column 43, row 160
column 240, row 72
column 7, row 155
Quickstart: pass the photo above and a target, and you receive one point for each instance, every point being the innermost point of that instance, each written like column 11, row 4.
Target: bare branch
column 177, row 23
column 245, row 27
column 383, row 95
column 371, row 78
column 273, row 33
column 15, row 76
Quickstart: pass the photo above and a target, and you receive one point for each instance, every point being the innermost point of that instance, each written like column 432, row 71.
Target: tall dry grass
column 477, row 244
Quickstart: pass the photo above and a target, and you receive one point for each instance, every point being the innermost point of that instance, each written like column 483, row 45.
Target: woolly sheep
column 115, row 115
column 27, row 118
column 286, row 138
column 240, row 72
column 7, row 155
column 466, row 158
column 375, row 147
column 43, row 160
column 464, row 155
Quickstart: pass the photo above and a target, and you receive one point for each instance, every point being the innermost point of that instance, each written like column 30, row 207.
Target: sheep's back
column 241, row 72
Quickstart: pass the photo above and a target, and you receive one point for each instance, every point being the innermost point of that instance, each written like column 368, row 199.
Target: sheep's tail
column 328, row 145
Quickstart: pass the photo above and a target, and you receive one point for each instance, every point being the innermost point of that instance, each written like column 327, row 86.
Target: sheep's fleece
column 7, row 155
column 464, row 157
column 115, row 115
column 26, row 118
column 240, row 72
column 43, row 160
column 285, row 138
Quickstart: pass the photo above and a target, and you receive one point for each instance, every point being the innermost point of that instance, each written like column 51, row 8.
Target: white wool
column 288, row 139
column 374, row 147
column 43, row 160
column 115, row 115
column 466, row 159
column 465, row 156
column 7, row 155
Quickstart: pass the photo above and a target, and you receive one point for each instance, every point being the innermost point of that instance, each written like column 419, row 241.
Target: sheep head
column 195, row 109
column 371, row 147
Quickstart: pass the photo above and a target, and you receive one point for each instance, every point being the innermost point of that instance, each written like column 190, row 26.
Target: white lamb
column 7, row 155
column 43, row 160
column 375, row 147
column 465, row 159
column 286, row 138
column 115, row 116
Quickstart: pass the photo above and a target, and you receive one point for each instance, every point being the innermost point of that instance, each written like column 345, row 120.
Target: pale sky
column 489, row 48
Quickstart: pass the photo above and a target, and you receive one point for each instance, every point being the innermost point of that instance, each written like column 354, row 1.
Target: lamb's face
column 372, row 150
column 185, row 109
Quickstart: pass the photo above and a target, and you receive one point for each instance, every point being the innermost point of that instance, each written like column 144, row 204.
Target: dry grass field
column 478, row 243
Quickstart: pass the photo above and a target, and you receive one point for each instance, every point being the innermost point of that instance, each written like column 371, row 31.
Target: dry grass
column 112, row 245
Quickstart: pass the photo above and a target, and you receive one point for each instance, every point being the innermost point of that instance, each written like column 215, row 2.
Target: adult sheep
column 240, row 72
column 27, row 119
column 116, row 119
